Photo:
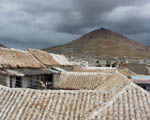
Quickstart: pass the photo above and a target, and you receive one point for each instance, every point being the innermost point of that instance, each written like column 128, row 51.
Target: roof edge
column 99, row 110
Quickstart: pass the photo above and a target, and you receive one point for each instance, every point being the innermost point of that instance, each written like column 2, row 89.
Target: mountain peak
column 102, row 41
column 101, row 30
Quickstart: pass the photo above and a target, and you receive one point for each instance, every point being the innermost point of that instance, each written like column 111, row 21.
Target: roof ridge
column 111, row 101
column 121, row 74
column 88, row 73
column 15, row 58
column 36, row 57
column 100, row 111
column 57, row 91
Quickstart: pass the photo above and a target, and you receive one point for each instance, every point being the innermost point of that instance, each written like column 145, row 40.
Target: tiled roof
column 12, row 58
column 124, row 71
column 90, row 80
column 94, row 69
column 114, row 83
column 43, row 56
column 60, row 59
column 132, row 103
column 27, row 104
column 49, row 59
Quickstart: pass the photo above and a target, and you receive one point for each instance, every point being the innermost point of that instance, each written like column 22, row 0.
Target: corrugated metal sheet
column 37, row 71
column 140, row 77
column 142, row 81
column 14, row 72
column 11, row 72
column 58, row 69
column 23, row 72
column 54, row 71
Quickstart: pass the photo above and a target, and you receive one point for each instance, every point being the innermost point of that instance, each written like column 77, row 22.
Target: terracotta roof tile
column 91, row 80
column 130, row 103
column 11, row 58
column 60, row 59
column 124, row 71
column 49, row 59
column 94, row 69
column 43, row 56
column 21, row 104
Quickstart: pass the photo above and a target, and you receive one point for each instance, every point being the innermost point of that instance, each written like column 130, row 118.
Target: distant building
column 148, row 70
column 137, row 68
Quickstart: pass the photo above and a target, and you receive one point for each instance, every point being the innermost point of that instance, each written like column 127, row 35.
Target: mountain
column 2, row 45
column 102, row 42
column 148, row 48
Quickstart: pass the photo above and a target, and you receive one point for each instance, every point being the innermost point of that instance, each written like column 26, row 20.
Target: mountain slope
column 2, row 45
column 148, row 48
column 102, row 42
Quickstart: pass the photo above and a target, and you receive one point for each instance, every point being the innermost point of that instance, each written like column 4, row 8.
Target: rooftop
column 12, row 58
column 130, row 102
column 43, row 56
column 124, row 71
column 91, row 80
column 21, row 104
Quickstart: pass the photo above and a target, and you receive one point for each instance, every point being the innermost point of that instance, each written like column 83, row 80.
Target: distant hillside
column 148, row 48
column 2, row 45
column 102, row 42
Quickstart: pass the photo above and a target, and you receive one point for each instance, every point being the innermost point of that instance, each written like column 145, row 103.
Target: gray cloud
column 40, row 24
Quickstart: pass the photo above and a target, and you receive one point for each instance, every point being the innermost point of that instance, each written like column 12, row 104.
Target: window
column 18, row 82
column 11, row 81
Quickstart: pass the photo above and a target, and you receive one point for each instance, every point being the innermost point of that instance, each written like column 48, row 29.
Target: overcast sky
column 44, row 23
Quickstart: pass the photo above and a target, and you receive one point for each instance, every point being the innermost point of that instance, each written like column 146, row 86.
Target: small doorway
column 49, row 81
column 18, row 82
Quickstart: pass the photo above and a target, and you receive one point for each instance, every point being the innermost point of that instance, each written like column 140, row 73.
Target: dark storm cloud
column 92, row 14
column 44, row 23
